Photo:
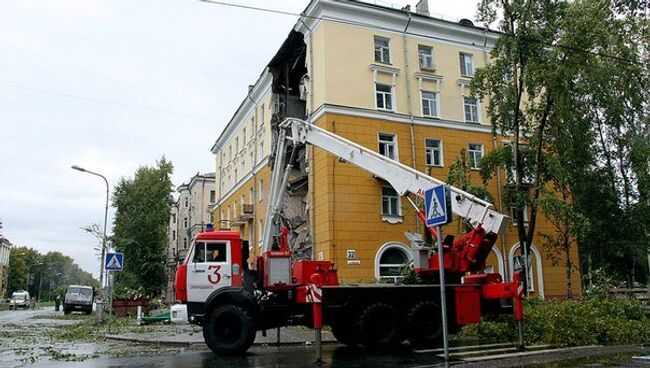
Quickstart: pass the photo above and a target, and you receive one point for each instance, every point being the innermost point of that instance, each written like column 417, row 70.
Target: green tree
column 142, row 207
column 568, row 87
column 32, row 271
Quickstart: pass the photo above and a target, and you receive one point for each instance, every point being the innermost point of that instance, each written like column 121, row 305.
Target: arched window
column 536, row 273
column 390, row 260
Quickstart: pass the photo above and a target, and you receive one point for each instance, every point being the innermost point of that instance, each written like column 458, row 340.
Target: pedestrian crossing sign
column 437, row 205
column 114, row 261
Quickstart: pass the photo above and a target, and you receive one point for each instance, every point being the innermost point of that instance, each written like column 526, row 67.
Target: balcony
column 246, row 215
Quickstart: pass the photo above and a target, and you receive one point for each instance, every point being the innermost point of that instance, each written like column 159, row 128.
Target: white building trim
column 538, row 263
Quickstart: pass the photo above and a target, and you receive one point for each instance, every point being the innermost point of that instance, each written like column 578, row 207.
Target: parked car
column 78, row 298
column 19, row 299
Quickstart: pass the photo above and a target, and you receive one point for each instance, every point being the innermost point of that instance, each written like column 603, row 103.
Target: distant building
column 5, row 248
column 189, row 216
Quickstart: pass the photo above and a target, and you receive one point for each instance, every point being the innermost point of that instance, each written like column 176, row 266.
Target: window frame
column 397, row 203
column 393, row 144
column 428, row 154
column 463, row 64
column 470, row 155
column 384, row 51
column 390, row 93
column 435, row 102
column 477, row 105
column 422, row 55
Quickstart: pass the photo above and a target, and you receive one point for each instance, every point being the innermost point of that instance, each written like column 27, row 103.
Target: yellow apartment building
column 390, row 79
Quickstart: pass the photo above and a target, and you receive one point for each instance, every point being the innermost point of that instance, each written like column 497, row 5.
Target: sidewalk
column 186, row 336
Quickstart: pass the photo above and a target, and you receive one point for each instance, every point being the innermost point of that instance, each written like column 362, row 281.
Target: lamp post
column 100, row 310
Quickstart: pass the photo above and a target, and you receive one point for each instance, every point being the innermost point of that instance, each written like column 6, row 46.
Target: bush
column 589, row 321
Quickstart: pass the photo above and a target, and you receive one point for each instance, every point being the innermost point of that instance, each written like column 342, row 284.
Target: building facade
column 189, row 216
column 391, row 80
column 5, row 249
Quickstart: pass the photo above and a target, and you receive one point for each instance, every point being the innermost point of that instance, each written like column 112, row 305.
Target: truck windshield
column 81, row 291
column 19, row 297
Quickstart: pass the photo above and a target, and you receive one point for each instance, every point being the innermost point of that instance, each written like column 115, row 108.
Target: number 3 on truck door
column 215, row 276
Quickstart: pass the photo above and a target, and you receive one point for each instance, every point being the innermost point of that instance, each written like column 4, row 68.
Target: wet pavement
column 43, row 338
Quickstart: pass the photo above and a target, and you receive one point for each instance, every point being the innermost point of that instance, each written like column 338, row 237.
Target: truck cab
column 214, row 262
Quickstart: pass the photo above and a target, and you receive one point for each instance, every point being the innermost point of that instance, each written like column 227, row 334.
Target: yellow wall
column 338, row 44
column 348, row 200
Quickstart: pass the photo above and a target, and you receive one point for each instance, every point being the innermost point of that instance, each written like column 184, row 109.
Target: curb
column 144, row 340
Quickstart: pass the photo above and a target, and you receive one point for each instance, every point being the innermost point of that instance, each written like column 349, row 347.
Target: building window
column 185, row 222
column 213, row 196
column 244, row 137
column 261, row 153
column 429, row 104
column 229, row 153
column 252, row 158
column 388, row 146
column 236, row 145
column 186, row 202
column 251, row 196
column 390, row 203
column 391, row 261
column 260, row 190
column 184, row 243
column 471, row 109
column 426, row 57
column 260, row 231
column 382, row 50
column 261, row 116
column 475, row 152
column 234, row 209
column 466, row 64
column 384, row 96
column 173, row 234
column 173, row 218
column 433, row 152
column 515, row 219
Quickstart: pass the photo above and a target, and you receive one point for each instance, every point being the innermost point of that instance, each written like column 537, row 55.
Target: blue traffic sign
column 114, row 261
column 437, row 205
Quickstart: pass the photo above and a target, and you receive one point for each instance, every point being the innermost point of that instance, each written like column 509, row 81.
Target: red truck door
column 208, row 270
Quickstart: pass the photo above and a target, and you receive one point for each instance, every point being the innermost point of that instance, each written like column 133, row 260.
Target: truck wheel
column 66, row 311
column 229, row 330
column 346, row 333
column 424, row 325
column 378, row 326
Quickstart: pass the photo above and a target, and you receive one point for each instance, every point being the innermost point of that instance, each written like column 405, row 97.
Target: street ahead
column 33, row 338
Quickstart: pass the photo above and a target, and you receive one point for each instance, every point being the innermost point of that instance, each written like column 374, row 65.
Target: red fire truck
column 232, row 300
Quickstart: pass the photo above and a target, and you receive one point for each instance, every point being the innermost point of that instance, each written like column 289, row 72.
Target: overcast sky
column 111, row 85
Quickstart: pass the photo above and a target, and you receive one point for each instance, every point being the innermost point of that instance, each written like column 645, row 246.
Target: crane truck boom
column 232, row 300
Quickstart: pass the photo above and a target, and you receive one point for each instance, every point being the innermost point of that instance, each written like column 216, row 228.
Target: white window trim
column 436, row 103
column 381, row 251
column 442, row 154
column 473, row 67
column 390, row 50
column 391, row 219
column 396, row 149
column 478, row 110
column 433, row 58
column 392, row 98
column 482, row 155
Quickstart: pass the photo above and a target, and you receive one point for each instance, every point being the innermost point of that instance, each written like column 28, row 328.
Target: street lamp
column 100, row 310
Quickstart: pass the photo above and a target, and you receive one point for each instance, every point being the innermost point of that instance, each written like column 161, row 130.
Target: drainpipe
column 254, row 176
column 410, row 102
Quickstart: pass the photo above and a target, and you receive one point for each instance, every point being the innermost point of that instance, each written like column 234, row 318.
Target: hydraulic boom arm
column 404, row 179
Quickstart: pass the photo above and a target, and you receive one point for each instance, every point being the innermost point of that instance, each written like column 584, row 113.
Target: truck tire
column 378, row 326
column 424, row 325
column 346, row 332
column 229, row 330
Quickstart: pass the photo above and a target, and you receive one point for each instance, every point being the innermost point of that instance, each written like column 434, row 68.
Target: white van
column 19, row 299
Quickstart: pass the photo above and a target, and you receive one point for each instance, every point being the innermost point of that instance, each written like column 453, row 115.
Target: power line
column 363, row 24
column 107, row 102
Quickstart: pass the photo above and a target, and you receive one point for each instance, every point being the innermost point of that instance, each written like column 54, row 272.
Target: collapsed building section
column 289, row 101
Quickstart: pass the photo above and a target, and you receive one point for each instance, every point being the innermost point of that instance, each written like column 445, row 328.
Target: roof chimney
column 422, row 7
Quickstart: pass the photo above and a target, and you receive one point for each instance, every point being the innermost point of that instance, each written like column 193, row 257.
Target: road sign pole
column 443, row 299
